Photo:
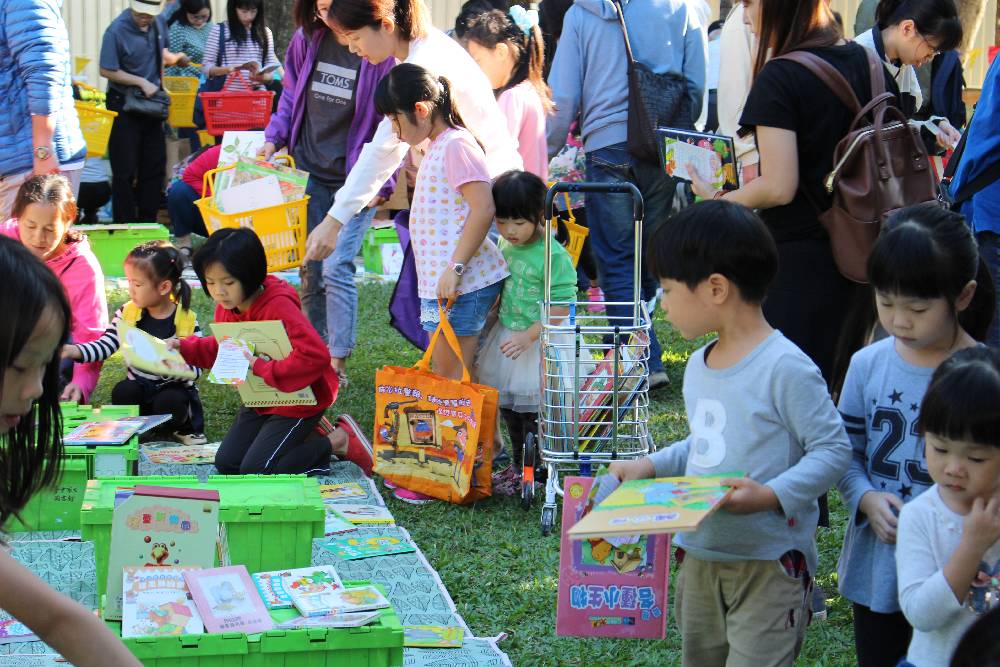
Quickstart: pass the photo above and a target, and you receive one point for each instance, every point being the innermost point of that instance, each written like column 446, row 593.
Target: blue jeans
column 185, row 218
column 989, row 250
column 467, row 315
column 329, row 295
column 612, row 233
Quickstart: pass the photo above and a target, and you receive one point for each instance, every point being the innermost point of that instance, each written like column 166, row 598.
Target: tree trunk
column 971, row 13
column 281, row 21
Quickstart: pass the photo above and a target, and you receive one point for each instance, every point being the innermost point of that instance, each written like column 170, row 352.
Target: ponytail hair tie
column 525, row 19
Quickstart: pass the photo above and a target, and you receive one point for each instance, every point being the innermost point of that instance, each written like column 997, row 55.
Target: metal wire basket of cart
column 594, row 405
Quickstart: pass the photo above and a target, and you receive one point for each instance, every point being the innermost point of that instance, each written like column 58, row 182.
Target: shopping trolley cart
column 594, row 405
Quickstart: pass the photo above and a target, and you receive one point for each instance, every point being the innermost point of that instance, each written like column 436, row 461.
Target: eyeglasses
column 934, row 52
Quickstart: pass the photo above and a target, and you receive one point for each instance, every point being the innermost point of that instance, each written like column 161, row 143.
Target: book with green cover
column 655, row 506
column 268, row 338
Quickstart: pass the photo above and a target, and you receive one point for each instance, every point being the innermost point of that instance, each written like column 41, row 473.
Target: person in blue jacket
column 39, row 128
column 976, row 184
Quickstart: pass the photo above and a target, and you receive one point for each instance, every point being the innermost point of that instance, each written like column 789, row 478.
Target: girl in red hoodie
column 289, row 439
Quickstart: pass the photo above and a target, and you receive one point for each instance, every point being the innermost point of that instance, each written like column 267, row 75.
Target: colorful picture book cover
column 354, row 548
column 155, row 526
column 354, row 619
column 232, row 362
column 268, row 338
column 336, row 524
column 13, row 632
column 365, row 514
column 147, row 422
column 228, row 601
column 334, row 492
column 271, row 591
column 614, row 588
column 360, row 598
column 713, row 157
column 655, row 506
column 312, row 589
column 156, row 603
column 173, row 452
column 102, row 433
column 433, row 636
column 150, row 354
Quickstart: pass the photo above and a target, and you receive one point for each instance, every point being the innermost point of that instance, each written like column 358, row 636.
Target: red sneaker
column 359, row 449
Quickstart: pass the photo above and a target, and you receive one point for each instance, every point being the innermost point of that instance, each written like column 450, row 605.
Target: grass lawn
column 498, row 568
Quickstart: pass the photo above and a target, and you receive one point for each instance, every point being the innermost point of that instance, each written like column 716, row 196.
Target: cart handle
column 623, row 188
column 210, row 174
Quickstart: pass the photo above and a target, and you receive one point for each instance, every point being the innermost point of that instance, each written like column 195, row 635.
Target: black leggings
column 175, row 399
column 519, row 425
column 259, row 444
column 880, row 640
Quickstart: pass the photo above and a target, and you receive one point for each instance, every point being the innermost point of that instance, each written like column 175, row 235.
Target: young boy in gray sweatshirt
column 757, row 406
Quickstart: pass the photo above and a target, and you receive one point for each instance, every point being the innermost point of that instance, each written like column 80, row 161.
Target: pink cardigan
column 83, row 280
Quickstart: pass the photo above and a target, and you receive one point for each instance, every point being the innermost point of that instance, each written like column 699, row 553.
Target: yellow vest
column 184, row 320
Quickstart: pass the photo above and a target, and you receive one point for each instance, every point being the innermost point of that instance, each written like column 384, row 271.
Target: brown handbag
column 880, row 167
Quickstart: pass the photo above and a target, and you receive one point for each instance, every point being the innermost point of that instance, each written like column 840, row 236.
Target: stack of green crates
column 113, row 243
column 379, row 644
column 270, row 520
column 371, row 246
column 58, row 507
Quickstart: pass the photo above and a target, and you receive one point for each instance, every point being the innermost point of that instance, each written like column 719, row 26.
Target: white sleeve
column 379, row 158
column 737, row 51
column 925, row 597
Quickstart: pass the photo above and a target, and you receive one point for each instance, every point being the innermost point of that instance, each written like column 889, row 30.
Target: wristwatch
column 458, row 268
column 43, row 152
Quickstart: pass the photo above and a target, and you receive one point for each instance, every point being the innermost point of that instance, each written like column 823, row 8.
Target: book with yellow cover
column 267, row 338
column 150, row 354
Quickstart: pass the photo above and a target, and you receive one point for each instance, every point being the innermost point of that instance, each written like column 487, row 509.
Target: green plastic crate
column 377, row 645
column 113, row 243
column 371, row 246
column 102, row 460
column 56, row 507
column 270, row 520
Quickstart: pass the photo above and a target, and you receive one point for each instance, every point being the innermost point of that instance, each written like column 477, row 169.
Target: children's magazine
column 150, row 354
column 156, row 603
column 228, row 601
column 712, row 155
column 102, row 433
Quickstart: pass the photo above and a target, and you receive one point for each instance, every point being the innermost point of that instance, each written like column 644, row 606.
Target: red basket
column 236, row 111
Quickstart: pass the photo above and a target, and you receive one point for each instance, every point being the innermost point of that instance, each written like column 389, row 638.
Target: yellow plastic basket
column 95, row 123
column 282, row 228
column 576, row 234
column 205, row 138
column 183, row 91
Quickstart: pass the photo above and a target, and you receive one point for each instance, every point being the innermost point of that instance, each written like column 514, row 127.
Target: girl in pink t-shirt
column 451, row 211
column 508, row 47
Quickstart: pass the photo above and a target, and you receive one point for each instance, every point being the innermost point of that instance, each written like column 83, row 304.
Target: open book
column 150, row 354
column 268, row 338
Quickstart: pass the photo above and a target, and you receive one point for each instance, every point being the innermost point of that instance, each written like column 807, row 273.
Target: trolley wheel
column 548, row 520
column 528, row 455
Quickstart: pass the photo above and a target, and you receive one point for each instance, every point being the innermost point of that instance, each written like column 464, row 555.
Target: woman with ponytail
column 381, row 29
column 509, row 49
column 452, row 211
column 908, row 34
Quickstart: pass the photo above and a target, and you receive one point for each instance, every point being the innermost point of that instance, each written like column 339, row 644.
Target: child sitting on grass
column 757, row 406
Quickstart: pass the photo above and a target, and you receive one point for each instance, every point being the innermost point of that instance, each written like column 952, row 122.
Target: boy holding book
column 757, row 406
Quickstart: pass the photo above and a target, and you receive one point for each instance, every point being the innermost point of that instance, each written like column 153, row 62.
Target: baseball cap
column 151, row 7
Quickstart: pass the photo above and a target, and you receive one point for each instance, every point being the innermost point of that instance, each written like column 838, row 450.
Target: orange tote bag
column 434, row 435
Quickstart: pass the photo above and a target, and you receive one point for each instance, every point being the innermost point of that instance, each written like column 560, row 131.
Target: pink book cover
column 227, row 600
column 614, row 588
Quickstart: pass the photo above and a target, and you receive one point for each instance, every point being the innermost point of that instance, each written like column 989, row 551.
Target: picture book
column 655, row 506
column 271, row 591
column 154, row 526
column 232, row 362
column 291, row 181
column 151, row 355
column 112, row 432
column 172, row 452
column 359, row 598
column 269, row 339
column 354, row 619
column 262, row 193
column 365, row 514
column 156, row 603
column 713, row 156
column 433, row 636
column 334, row 492
column 336, row 524
column 228, row 601
column 13, row 632
column 609, row 587
column 147, row 423
column 355, row 548
column 312, row 589
column 234, row 146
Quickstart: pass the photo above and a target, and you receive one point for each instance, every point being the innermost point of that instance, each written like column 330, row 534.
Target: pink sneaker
column 595, row 295
column 390, row 485
column 412, row 497
column 359, row 450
